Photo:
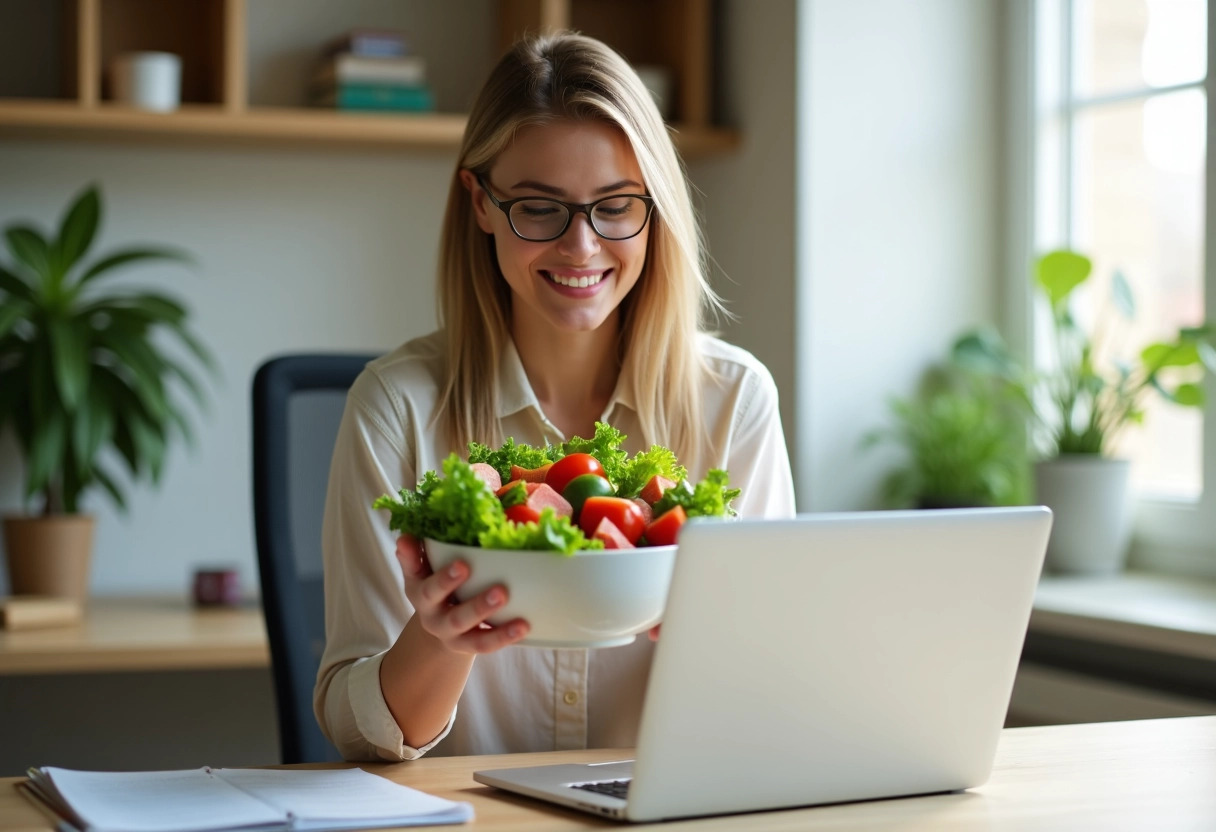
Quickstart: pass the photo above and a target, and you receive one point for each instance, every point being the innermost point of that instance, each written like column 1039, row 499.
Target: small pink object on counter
column 217, row 587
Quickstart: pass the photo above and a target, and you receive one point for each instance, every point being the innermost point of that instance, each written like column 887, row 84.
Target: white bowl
column 595, row 598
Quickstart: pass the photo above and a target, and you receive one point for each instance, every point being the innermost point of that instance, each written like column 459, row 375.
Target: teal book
column 378, row 97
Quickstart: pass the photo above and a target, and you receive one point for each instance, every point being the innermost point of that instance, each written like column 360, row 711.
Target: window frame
column 1170, row 535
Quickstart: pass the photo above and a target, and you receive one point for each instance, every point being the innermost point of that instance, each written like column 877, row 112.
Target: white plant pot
column 1088, row 495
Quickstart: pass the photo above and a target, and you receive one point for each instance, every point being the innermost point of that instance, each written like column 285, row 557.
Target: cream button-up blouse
column 520, row 698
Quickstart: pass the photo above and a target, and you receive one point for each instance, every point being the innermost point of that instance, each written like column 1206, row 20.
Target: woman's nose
column 580, row 240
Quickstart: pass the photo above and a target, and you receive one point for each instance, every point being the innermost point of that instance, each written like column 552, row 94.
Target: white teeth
column 576, row 282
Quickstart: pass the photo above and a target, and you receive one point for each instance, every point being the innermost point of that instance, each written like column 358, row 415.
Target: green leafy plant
column 84, row 368
column 963, row 440
column 1084, row 400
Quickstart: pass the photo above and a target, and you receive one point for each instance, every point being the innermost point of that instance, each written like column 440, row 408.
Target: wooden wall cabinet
column 211, row 38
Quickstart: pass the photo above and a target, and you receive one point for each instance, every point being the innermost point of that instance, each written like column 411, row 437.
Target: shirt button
column 571, row 697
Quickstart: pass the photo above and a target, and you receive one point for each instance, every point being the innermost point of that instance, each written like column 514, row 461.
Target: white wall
column 897, row 215
column 748, row 197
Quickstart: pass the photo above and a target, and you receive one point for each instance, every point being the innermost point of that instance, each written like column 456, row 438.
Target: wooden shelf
column 43, row 118
column 212, row 37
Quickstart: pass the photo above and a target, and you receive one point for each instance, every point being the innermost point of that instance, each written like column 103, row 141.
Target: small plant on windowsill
column 1083, row 401
column 85, row 380
column 962, row 434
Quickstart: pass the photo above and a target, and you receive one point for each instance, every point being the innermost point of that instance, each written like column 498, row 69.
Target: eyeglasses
column 539, row 219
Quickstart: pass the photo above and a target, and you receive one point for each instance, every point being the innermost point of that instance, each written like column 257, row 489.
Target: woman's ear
column 477, row 196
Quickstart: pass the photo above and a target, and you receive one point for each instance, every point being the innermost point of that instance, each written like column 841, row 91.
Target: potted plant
column 87, row 382
column 962, row 437
column 1082, row 402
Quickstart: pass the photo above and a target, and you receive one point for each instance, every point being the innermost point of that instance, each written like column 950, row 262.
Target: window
column 1120, row 144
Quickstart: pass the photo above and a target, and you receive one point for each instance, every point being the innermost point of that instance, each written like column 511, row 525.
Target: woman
column 571, row 290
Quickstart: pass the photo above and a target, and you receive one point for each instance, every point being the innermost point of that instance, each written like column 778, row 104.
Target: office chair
column 297, row 405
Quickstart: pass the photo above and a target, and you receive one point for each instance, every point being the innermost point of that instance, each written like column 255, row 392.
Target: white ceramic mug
column 147, row 80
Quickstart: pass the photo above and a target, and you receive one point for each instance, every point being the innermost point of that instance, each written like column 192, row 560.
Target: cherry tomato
column 584, row 486
column 522, row 513
column 571, row 466
column 666, row 528
column 530, row 474
column 654, row 489
column 623, row 513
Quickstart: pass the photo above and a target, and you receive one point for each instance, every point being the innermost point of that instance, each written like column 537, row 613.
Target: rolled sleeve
column 365, row 603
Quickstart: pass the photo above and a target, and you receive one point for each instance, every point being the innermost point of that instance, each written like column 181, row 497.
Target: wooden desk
column 1152, row 774
column 150, row 633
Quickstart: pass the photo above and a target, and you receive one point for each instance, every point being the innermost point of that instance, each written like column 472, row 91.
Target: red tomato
column 522, row 513
column 529, row 487
column 655, row 488
column 623, row 513
column 664, row 530
column 530, row 474
column 571, row 466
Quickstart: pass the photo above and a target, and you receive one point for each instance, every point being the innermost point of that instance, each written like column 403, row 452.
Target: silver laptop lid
column 835, row 657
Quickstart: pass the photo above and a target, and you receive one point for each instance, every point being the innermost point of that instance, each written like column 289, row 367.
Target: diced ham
column 647, row 511
column 487, row 474
column 542, row 496
column 612, row 537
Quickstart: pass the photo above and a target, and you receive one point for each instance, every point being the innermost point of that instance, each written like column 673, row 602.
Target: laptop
column 821, row 659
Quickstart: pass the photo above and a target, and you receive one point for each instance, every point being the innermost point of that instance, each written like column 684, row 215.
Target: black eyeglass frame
column 505, row 205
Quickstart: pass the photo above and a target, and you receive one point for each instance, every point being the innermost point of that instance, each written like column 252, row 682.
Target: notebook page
column 191, row 800
column 342, row 798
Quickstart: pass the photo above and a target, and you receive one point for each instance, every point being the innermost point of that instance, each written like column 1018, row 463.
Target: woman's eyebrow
column 532, row 184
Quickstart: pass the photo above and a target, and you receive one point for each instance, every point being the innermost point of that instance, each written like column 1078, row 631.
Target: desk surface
column 150, row 633
column 1152, row 774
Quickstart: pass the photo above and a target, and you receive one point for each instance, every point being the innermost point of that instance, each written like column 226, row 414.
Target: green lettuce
column 552, row 532
column 604, row 446
column 636, row 472
column 511, row 453
column 454, row 509
column 708, row 498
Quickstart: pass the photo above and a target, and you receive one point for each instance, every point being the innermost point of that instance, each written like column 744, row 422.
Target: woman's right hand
column 459, row 627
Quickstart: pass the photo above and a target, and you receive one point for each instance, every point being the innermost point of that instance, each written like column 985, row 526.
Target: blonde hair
column 540, row 80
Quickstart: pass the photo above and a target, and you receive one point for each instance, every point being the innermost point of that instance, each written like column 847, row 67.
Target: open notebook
column 229, row 799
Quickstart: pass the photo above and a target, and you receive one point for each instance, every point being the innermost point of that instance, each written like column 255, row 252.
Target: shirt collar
column 515, row 392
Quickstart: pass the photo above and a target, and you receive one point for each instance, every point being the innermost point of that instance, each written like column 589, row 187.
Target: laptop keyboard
column 612, row 788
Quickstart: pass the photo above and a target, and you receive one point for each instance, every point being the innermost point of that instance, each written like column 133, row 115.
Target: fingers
column 653, row 632
column 495, row 638
column 459, row 626
column 412, row 558
column 465, row 617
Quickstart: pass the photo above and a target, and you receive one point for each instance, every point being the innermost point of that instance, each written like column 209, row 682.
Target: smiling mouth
column 576, row 281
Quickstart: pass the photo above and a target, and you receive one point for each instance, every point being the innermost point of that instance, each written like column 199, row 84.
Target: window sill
column 1136, row 609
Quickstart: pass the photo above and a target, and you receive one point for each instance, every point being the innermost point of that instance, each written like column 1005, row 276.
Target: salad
column 581, row 494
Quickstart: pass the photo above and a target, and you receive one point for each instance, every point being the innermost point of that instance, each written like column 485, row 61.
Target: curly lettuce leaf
column 604, row 446
column 511, row 453
column 708, row 498
column 454, row 509
column 636, row 472
column 552, row 533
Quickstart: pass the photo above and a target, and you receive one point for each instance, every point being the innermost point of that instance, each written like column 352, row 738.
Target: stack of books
column 371, row 69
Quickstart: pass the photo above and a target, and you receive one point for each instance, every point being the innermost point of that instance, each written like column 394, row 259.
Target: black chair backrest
column 297, row 406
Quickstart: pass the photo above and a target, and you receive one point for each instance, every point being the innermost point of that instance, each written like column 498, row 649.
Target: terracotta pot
column 49, row 555
column 1091, row 528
